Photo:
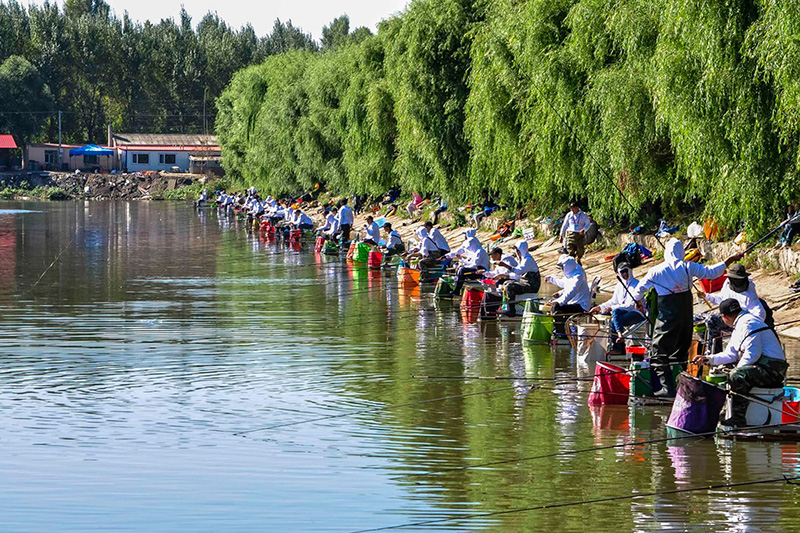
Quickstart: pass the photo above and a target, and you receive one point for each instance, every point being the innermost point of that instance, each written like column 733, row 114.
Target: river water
column 150, row 352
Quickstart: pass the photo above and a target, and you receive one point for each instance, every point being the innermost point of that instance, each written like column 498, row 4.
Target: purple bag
column 697, row 406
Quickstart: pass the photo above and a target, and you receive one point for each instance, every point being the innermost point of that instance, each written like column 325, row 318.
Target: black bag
column 769, row 319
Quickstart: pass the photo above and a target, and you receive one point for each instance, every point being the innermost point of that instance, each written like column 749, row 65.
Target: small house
column 44, row 156
column 139, row 152
column 8, row 151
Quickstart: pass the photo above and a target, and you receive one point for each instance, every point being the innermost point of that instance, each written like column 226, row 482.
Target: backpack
column 631, row 254
column 769, row 319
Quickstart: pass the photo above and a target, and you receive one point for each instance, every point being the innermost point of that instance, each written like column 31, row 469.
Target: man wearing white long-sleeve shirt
column 345, row 219
column 573, row 232
column 672, row 334
column 621, row 307
column 372, row 232
column 575, row 297
column 758, row 354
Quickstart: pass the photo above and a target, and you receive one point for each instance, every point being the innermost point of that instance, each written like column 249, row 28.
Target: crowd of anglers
column 663, row 297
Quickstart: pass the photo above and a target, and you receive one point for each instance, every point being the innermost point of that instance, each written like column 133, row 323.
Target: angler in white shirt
column 394, row 242
column 426, row 250
column 574, row 298
column 472, row 258
column 573, row 232
column 329, row 228
column 672, row 334
column 621, row 307
column 524, row 277
column 302, row 221
column 345, row 218
column 501, row 266
column 373, row 232
column 438, row 238
column 758, row 354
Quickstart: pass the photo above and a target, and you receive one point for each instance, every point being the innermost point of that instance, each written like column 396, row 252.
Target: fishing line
column 562, row 453
column 374, row 410
column 786, row 479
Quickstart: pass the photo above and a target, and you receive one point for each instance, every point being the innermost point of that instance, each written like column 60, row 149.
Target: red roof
column 7, row 141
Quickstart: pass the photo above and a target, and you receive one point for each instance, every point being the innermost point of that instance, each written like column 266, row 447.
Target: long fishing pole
column 46, row 270
column 790, row 480
column 634, row 444
column 374, row 410
column 789, row 220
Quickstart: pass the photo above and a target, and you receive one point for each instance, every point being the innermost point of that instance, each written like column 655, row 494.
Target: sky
column 310, row 15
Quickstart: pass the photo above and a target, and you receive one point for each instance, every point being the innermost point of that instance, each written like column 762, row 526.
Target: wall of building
column 36, row 154
column 181, row 161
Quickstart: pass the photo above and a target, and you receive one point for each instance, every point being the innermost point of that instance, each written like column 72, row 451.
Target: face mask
column 739, row 285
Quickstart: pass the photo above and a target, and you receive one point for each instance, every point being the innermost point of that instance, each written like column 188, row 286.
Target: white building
column 139, row 152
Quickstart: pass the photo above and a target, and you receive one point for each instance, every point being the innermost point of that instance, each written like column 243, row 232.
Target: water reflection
column 161, row 334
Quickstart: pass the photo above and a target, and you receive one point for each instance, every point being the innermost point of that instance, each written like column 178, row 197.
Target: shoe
column 729, row 424
column 664, row 392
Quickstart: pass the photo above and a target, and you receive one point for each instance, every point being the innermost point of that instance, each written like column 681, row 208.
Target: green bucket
column 537, row 327
column 362, row 253
column 531, row 306
column 642, row 382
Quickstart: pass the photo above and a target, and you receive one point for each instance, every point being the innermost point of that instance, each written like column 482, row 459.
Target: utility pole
column 59, row 141
column 205, row 126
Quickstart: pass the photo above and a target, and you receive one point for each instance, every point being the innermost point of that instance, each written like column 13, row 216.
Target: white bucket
column 759, row 414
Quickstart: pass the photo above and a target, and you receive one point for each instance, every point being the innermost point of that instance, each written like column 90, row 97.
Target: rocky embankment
column 132, row 186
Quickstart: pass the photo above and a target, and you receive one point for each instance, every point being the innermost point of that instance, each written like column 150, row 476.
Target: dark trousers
column 530, row 283
column 562, row 312
column 464, row 273
column 345, row 229
column 395, row 250
column 431, row 260
column 767, row 373
column 672, row 336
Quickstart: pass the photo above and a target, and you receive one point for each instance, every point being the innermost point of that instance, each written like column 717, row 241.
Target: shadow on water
column 161, row 333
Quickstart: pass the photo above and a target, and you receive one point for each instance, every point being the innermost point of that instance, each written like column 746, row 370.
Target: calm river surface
column 143, row 376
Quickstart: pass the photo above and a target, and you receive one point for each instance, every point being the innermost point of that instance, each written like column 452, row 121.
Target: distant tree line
column 100, row 69
column 679, row 104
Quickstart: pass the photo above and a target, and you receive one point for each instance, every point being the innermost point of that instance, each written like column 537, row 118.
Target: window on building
column 90, row 160
column 51, row 157
column 141, row 159
column 166, row 159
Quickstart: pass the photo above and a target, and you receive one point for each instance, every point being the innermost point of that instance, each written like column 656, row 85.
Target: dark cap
column 624, row 266
column 738, row 271
column 497, row 250
column 574, row 204
column 730, row 307
column 387, row 225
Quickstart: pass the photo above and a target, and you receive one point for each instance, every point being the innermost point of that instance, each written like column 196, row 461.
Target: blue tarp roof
column 91, row 149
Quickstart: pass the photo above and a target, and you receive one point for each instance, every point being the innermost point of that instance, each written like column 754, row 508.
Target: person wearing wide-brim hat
column 757, row 352
column 741, row 288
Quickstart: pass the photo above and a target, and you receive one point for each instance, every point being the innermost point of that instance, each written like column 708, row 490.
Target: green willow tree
column 638, row 108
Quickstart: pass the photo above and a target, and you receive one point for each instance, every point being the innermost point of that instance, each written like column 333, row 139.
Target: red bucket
column 472, row 300
column 611, row 385
column 713, row 285
column 375, row 259
column 320, row 244
column 294, row 235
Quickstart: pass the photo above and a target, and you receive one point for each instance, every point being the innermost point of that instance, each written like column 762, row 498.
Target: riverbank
column 773, row 271
column 123, row 186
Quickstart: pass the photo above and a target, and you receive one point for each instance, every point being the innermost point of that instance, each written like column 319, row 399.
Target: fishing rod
column 374, row 410
column 634, row 444
column 789, row 480
column 789, row 220
column 46, row 270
